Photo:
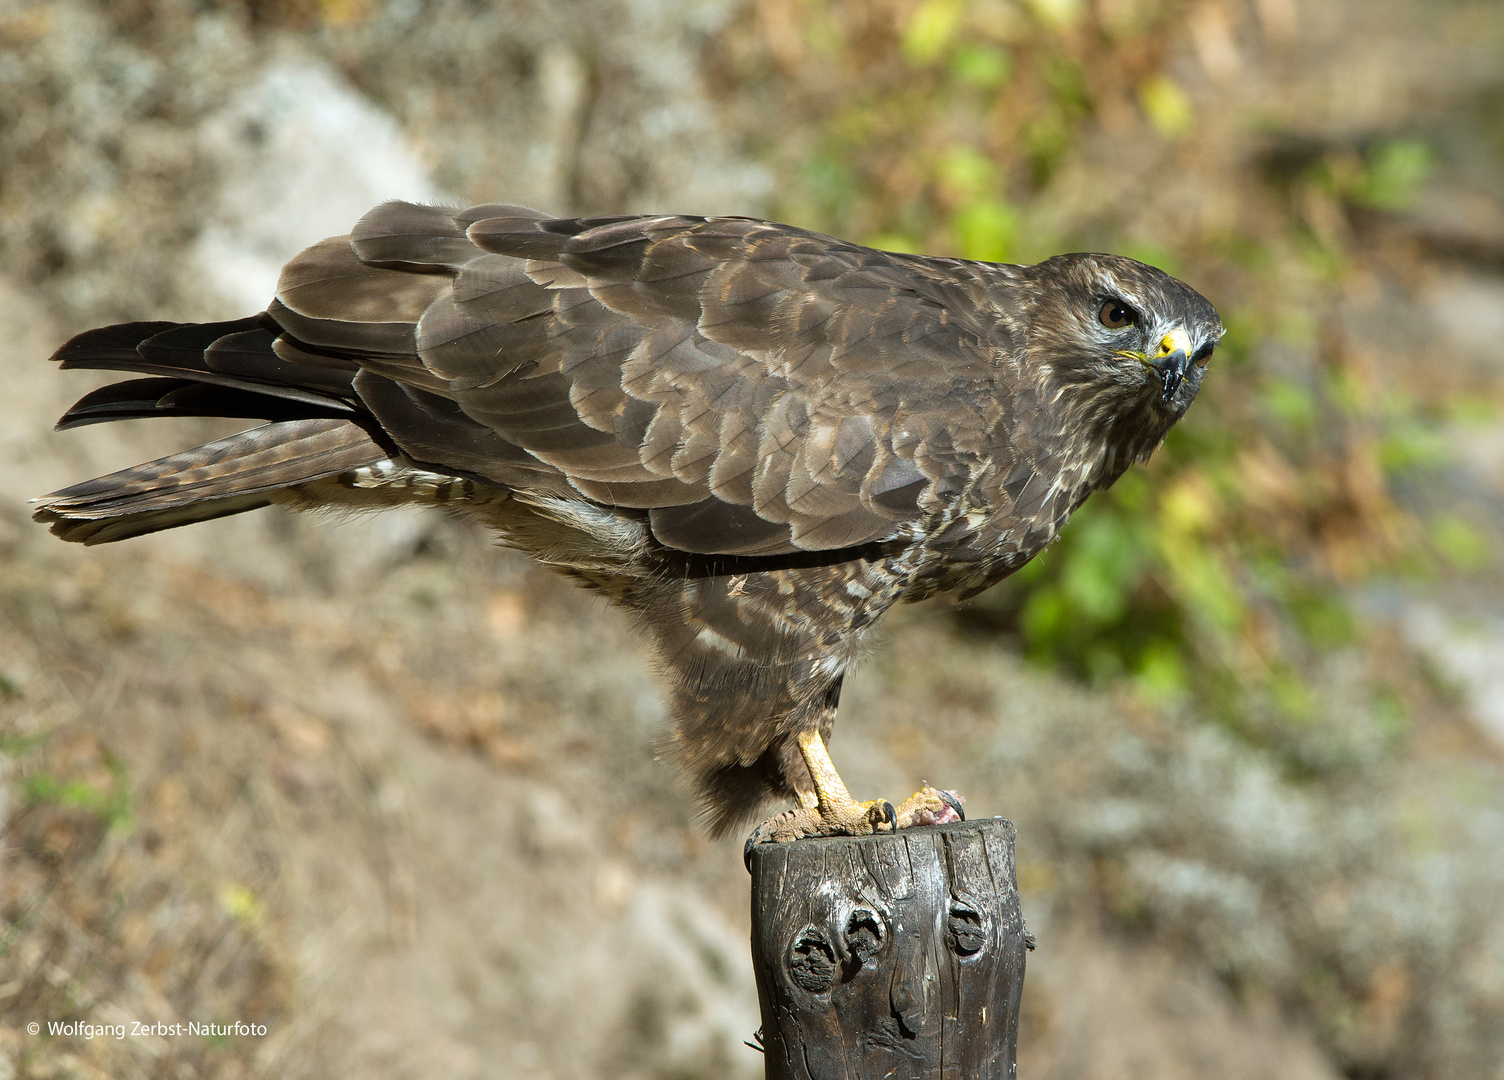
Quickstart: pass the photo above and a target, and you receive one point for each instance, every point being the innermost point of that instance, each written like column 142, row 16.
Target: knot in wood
column 966, row 928
column 894, row 955
column 812, row 962
column 864, row 936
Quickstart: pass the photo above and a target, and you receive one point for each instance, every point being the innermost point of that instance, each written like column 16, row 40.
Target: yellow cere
column 1175, row 341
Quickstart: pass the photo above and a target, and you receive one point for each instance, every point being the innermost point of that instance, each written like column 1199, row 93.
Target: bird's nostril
column 1171, row 343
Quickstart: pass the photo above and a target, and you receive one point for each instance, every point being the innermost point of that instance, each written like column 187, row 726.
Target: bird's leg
column 833, row 812
column 927, row 806
column 836, row 812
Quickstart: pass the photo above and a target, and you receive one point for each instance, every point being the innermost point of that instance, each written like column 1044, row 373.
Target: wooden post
column 898, row 956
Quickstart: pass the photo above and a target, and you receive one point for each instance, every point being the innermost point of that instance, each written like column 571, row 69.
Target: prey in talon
column 754, row 438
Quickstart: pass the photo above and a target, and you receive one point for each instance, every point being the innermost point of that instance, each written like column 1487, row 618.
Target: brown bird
column 755, row 438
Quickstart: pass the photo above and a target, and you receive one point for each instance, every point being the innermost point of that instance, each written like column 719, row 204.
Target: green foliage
column 1321, row 617
column 17, row 746
column 1058, row 14
column 111, row 804
column 931, row 29
column 1291, row 405
column 242, row 905
column 982, row 66
column 1386, row 176
column 1166, row 106
column 1393, row 173
column 1459, row 542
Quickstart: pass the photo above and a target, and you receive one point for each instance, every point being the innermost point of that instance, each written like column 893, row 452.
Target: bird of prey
column 754, row 438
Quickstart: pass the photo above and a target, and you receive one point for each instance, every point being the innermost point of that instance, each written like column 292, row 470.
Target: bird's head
column 1120, row 342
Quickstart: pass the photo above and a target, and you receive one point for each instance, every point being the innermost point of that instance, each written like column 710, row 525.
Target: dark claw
column 758, row 835
column 954, row 803
column 891, row 814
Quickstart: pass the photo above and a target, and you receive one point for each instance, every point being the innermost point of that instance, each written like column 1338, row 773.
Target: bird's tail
column 227, row 476
column 317, row 429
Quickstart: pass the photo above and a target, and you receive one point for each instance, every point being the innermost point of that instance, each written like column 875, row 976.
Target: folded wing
column 753, row 388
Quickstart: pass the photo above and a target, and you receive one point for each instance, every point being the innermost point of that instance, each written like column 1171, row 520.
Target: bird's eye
column 1203, row 355
column 1115, row 315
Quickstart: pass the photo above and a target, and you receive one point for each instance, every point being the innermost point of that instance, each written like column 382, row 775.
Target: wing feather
column 757, row 388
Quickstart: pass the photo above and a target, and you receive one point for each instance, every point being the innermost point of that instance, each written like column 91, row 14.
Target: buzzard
column 754, row 438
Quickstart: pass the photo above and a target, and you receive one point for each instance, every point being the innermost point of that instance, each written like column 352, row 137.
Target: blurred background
column 392, row 793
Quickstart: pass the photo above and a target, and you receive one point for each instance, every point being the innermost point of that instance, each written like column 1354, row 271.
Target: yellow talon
column 831, row 811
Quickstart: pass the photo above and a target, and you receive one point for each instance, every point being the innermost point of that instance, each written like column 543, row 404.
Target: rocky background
column 391, row 793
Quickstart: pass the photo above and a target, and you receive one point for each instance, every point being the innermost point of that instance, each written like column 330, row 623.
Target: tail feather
column 109, row 344
column 237, row 355
column 187, row 346
column 209, row 369
column 136, row 399
column 93, row 531
column 227, row 476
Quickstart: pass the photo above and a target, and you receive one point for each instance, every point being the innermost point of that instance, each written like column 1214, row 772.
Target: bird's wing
column 754, row 388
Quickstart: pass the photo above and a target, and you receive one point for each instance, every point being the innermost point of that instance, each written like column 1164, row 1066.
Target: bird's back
column 742, row 388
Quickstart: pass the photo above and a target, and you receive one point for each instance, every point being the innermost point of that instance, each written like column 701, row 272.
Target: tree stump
column 894, row 956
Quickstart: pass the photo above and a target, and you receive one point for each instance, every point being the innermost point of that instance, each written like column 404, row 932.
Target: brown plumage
column 755, row 438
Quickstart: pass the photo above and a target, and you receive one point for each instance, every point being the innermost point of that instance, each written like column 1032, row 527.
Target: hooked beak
column 1170, row 362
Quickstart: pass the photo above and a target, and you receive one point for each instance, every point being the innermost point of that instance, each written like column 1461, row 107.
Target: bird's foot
column 847, row 817
column 931, row 806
